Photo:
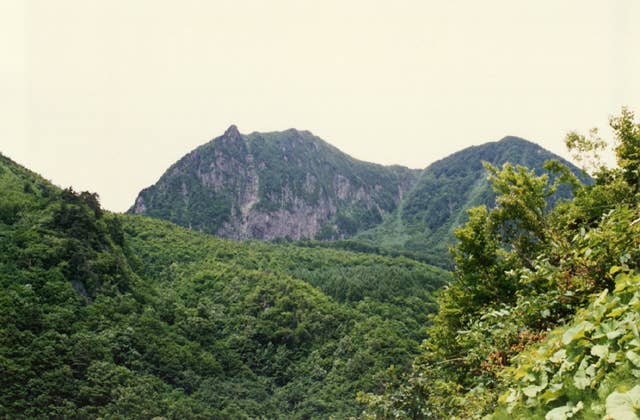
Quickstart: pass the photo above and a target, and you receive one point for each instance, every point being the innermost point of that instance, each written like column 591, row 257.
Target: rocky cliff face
column 287, row 184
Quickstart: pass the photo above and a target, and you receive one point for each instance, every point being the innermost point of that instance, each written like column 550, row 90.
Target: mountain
column 287, row 184
column 294, row 185
column 123, row 316
column 438, row 201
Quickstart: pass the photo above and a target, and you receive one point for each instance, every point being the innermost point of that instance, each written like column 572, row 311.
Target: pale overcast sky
column 105, row 95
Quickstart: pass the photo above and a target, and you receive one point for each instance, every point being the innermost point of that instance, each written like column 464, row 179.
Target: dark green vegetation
column 542, row 319
column 446, row 189
column 128, row 317
column 114, row 316
column 292, row 185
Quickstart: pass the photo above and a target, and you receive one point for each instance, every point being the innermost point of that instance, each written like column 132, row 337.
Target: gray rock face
column 287, row 184
column 291, row 184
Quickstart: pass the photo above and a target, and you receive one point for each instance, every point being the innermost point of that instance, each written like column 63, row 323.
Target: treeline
column 436, row 258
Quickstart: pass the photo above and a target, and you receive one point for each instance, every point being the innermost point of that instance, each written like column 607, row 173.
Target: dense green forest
column 542, row 318
column 123, row 316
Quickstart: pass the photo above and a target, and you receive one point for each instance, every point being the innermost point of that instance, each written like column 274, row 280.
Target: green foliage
column 306, row 346
column 298, row 343
column 437, row 204
column 107, row 316
column 587, row 365
column 202, row 209
column 127, row 317
column 60, row 262
column 544, row 307
column 587, row 150
column 628, row 147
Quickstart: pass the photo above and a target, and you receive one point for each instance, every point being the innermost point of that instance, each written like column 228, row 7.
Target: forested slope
column 438, row 202
column 124, row 316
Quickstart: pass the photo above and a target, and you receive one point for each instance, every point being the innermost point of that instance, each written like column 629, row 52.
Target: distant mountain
column 447, row 188
column 294, row 185
column 288, row 184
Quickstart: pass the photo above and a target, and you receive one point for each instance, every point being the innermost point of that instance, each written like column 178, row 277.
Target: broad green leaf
column 617, row 312
column 607, row 329
column 552, row 393
column 559, row 356
column 601, row 297
column 633, row 325
column 623, row 406
column 533, row 390
column 576, row 332
column 615, row 269
column 600, row 350
column 530, row 391
column 564, row 412
column 622, row 283
column 509, row 397
column 559, row 413
column 614, row 334
column 633, row 357
column 520, row 373
column 581, row 380
column 590, row 370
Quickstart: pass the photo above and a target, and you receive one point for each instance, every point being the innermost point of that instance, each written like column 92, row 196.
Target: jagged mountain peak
column 232, row 131
column 274, row 185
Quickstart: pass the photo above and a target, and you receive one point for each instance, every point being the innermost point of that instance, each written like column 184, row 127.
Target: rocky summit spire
column 232, row 131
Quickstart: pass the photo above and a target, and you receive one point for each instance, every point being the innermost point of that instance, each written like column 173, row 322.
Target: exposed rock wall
column 274, row 185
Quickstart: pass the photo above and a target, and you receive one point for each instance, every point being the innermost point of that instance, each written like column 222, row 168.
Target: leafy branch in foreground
column 523, row 271
column 585, row 366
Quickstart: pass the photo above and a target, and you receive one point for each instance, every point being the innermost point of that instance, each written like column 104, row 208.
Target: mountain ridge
column 254, row 196
column 448, row 187
column 294, row 185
